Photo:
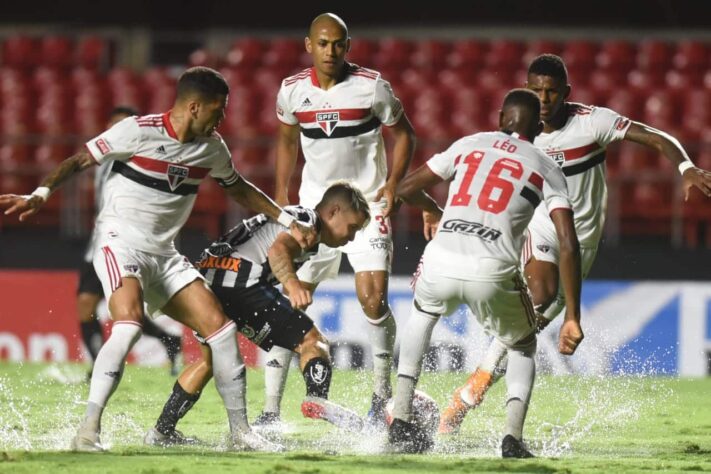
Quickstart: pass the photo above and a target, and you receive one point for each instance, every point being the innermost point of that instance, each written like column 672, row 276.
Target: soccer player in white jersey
column 243, row 267
column 158, row 163
column 90, row 293
column 337, row 109
column 498, row 179
column 575, row 136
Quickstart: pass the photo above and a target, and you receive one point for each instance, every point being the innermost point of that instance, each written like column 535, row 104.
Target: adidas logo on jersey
column 306, row 102
column 274, row 363
column 161, row 150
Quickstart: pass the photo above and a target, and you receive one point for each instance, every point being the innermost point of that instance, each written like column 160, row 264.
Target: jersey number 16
column 494, row 181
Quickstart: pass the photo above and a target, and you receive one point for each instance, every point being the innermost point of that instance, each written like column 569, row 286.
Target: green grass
column 575, row 424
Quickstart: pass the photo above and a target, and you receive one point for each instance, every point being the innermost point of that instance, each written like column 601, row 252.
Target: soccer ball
column 425, row 412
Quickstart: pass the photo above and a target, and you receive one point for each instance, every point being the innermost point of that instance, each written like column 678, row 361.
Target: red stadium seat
column 467, row 55
column 93, row 52
column 654, row 55
column 585, row 95
column 692, row 55
column 430, row 54
column 504, row 56
column 393, row 53
column 579, row 56
column 626, row 103
column 661, row 109
column 697, row 110
column 644, row 82
column 616, row 55
column 633, row 158
column 362, row 52
column 246, row 53
column 209, row 211
column 20, row 52
column 56, row 51
column 283, row 54
column 537, row 47
column 204, row 57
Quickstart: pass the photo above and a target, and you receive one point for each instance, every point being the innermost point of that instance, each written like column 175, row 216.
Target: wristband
column 685, row 165
column 285, row 219
column 42, row 192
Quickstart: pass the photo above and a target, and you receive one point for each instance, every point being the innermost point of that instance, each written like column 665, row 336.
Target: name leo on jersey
column 460, row 226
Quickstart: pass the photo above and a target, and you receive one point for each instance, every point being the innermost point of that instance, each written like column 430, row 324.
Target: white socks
column 229, row 373
column 520, row 375
column 381, row 333
column 275, row 372
column 412, row 352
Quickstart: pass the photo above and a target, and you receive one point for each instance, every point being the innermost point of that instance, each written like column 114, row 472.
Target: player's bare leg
column 372, row 292
column 126, row 308
column 316, row 367
column 198, row 308
column 471, row 394
column 91, row 331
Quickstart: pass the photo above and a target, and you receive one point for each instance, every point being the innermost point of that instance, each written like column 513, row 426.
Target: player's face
column 208, row 116
column 552, row 93
column 341, row 227
column 328, row 46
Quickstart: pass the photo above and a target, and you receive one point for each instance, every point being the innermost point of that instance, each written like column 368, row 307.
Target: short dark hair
column 123, row 110
column 523, row 98
column 549, row 65
column 345, row 192
column 203, row 81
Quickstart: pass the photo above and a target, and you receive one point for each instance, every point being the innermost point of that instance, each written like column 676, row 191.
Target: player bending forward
column 575, row 135
column 498, row 180
column 243, row 267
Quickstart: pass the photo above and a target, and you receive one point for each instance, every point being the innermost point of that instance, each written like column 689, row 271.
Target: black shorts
column 88, row 281
column 264, row 315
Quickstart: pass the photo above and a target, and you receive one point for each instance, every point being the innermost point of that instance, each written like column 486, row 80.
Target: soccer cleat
column 322, row 409
column 251, row 441
column 87, row 442
column 376, row 414
column 154, row 437
column 451, row 419
column 513, row 448
column 408, row 438
column 267, row 418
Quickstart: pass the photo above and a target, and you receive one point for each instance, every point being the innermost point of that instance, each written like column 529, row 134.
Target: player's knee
column 212, row 321
column 374, row 306
column 543, row 293
column 315, row 344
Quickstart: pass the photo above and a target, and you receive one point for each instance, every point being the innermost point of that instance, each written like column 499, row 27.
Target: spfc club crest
column 176, row 175
column 328, row 121
column 558, row 157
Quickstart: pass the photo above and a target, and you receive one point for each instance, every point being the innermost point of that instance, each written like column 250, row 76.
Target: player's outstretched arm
column 411, row 190
column 571, row 334
column 30, row 204
column 403, row 149
column 670, row 147
column 287, row 150
column 251, row 197
column 281, row 260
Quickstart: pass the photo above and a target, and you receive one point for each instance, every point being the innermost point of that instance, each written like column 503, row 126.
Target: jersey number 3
column 494, row 182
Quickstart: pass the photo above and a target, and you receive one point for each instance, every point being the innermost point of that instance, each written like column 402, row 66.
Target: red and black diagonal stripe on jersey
column 533, row 195
column 142, row 163
column 593, row 151
column 340, row 131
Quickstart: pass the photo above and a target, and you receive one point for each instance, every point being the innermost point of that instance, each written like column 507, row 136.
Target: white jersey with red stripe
column 579, row 148
column 498, row 181
column 154, row 179
column 340, row 129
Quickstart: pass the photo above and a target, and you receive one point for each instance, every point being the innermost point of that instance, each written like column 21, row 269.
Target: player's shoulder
column 292, row 81
column 576, row 109
column 147, row 121
column 357, row 71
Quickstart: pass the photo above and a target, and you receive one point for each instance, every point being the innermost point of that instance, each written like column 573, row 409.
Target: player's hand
column 696, row 177
column 387, row 192
column 430, row 223
column 25, row 205
column 299, row 296
column 571, row 335
column 305, row 234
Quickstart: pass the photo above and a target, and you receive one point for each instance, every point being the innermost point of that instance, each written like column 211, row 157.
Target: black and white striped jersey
column 238, row 259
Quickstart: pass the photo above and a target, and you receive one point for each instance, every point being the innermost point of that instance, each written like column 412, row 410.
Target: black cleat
column 408, row 437
column 267, row 418
column 513, row 448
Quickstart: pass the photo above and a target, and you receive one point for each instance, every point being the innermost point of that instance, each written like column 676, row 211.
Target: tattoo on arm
column 282, row 266
column 68, row 168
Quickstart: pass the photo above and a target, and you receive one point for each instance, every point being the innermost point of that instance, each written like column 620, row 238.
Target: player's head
column 202, row 93
column 119, row 113
column 343, row 211
column 548, row 77
column 520, row 113
column 327, row 43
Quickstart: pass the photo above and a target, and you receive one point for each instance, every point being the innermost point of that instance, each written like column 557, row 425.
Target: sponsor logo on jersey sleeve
column 103, row 146
column 621, row 123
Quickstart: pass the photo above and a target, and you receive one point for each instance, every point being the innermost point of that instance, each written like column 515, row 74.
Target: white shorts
column 370, row 251
column 160, row 276
column 546, row 249
column 503, row 308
